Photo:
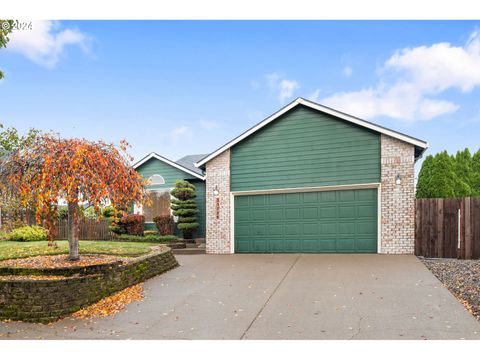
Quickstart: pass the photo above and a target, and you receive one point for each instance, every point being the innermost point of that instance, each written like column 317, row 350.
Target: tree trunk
column 73, row 231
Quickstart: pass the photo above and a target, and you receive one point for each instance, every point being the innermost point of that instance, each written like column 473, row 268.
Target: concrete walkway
column 286, row 296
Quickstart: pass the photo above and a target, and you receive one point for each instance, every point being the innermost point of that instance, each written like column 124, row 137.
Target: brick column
column 397, row 201
column 217, row 173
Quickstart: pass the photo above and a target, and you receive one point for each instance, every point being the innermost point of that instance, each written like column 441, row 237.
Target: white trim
column 169, row 162
column 308, row 189
column 377, row 186
column 232, row 223
column 162, row 180
column 324, row 109
column 379, row 219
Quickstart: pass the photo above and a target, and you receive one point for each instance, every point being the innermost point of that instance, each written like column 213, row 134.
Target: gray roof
column 189, row 161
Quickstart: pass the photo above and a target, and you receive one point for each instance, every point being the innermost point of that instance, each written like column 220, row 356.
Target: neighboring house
column 162, row 174
column 311, row 179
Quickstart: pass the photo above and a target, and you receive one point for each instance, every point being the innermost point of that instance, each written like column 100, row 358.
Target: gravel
column 461, row 277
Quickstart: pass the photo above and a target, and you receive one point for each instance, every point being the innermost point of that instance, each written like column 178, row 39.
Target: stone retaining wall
column 47, row 300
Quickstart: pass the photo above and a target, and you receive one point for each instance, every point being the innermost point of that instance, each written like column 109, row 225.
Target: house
column 162, row 174
column 309, row 179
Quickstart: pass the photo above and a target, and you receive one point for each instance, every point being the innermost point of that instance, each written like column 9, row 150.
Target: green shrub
column 28, row 233
column 108, row 212
column 147, row 238
column 164, row 224
column 185, row 207
column 150, row 232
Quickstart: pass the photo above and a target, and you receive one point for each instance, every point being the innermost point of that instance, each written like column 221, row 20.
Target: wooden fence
column 448, row 228
column 90, row 229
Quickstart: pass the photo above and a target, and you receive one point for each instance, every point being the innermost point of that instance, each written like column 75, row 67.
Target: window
column 160, row 204
column 156, row 180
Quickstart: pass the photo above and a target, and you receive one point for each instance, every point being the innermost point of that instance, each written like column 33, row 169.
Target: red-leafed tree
column 78, row 171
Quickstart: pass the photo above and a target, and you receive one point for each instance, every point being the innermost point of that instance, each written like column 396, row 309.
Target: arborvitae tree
column 438, row 179
column 185, row 207
column 475, row 184
column 423, row 187
column 463, row 163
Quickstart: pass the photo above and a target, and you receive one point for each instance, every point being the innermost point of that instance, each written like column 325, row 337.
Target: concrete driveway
column 287, row 296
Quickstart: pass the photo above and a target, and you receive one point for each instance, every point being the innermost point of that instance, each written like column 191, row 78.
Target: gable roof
column 189, row 162
column 420, row 145
column 169, row 162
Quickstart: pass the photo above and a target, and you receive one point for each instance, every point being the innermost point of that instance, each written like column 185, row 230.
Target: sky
column 188, row 87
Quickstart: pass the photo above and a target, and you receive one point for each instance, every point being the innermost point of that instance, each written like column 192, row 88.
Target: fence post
column 468, row 229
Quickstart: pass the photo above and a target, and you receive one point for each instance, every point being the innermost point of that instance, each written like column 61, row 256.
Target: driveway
column 286, row 296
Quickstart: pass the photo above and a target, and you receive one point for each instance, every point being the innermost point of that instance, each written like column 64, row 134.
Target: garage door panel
column 310, row 213
column 366, row 228
column 367, row 194
column 275, row 214
column 346, row 244
column 292, row 229
column 329, row 229
column 366, row 211
column 331, row 221
column 259, row 244
column 365, row 244
column 276, row 199
column 310, row 229
column 310, row 197
column 347, row 195
column 329, row 212
column 347, row 211
column 292, row 214
column 326, row 197
column 275, row 230
column 259, row 214
column 293, row 199
column 345, row 228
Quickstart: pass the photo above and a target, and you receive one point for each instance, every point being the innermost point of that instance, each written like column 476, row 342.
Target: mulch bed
column 461, row 277
column 111, row 304
column 59, row 261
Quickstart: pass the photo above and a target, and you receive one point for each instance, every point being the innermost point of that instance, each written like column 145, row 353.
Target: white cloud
column 419, row 75
column 287, row 87
column 282, row 87
column 46, row 42
column 347, row 71
column 179, row 133
column 208, row 125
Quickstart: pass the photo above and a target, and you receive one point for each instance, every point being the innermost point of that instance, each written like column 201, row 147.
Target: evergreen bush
column 185, row 207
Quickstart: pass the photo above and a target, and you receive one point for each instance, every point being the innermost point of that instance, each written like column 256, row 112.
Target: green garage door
column 309, row 222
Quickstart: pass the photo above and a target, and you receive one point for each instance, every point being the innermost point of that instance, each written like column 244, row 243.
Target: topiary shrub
column 164, row 224
column 28, row 233
column 185, row 207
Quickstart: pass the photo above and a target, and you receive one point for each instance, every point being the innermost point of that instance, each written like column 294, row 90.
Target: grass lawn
column 16, row 249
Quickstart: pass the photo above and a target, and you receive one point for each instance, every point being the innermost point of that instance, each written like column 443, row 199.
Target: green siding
column 305, row 148
column 311, row 222
column 200, row 189
column 170, row 175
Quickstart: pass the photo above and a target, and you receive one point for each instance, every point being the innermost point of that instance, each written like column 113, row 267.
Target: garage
column 340, row 221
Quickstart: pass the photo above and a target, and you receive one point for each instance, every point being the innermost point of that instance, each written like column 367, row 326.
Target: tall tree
column 78, row 171
column 10, row 142
column 463, row 163
column 438, row 179
column 476, row 174
column 6, row 27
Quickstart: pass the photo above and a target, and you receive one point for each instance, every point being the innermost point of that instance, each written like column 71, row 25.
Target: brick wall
column 218, row 207
column 397, row 201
